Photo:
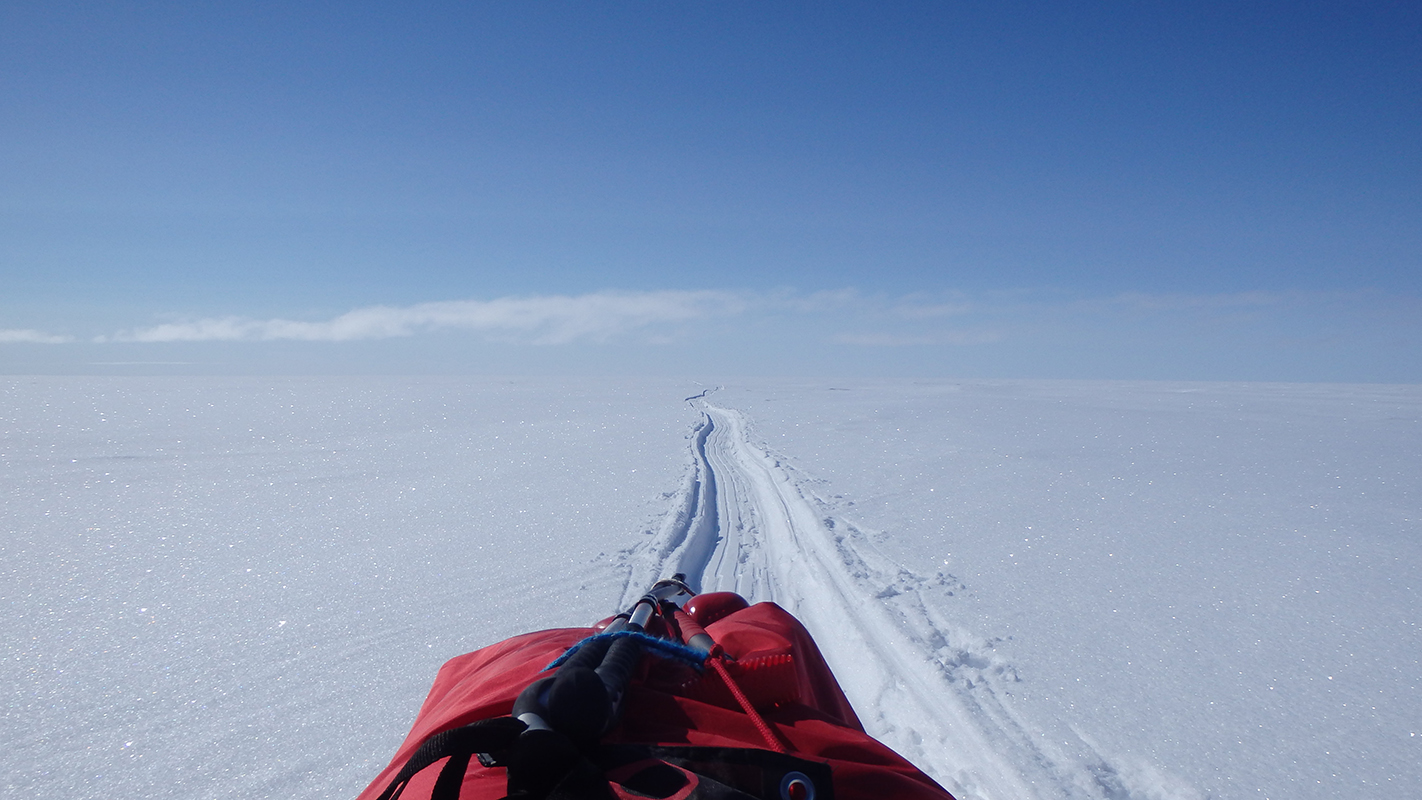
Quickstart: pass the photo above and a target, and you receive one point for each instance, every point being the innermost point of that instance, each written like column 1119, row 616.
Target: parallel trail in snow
column 935, row 695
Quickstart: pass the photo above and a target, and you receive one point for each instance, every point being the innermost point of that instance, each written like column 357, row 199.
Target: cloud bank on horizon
column 553, row 319
column 1246, row 335
column 595, row 317
column 603, row 316
column 31, row 336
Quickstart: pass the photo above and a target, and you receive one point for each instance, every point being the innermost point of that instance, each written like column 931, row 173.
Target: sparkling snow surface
column 243, row 587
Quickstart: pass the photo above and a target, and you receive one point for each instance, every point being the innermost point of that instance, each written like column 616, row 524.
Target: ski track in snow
column 936, row 693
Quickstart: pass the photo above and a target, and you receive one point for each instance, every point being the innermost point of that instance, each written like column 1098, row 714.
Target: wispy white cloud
column 912, row 340
column 881, row 340
column 843, row 316
column 548, row 319
column 26, row 335
column 1181, row 301
column 911, row 306
column 823, row 301
column 914, row 308
column 1042, row 331
column 599, row 316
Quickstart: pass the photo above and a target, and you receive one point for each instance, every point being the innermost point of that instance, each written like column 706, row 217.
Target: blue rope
column 662, row 648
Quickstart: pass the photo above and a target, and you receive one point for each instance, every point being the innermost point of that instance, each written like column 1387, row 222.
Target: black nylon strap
column 451, row 778
column 484, row 736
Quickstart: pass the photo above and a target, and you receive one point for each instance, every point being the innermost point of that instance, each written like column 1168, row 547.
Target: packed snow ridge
column 935, row 693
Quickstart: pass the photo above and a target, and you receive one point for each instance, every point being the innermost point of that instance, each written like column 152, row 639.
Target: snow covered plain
column 243, row 587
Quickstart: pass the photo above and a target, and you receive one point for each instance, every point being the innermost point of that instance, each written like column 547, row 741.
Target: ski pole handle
column 692, row 634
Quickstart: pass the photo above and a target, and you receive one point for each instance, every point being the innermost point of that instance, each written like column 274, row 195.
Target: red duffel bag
column 754, row 713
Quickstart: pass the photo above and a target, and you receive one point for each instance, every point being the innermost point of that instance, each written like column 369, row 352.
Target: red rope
column 769, row 734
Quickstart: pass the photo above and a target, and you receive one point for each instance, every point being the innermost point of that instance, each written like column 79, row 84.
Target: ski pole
column 583, row 698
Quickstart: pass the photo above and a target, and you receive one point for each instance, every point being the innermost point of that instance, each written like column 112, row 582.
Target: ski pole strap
column 580, row 656
column 616, row 667
column 651, row 644
column 458, row 745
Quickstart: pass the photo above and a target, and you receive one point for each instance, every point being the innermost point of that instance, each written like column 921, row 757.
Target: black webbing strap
column 544, row 765
column 458, row 745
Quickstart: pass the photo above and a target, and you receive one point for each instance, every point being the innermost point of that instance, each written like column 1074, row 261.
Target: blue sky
column 1105, row 190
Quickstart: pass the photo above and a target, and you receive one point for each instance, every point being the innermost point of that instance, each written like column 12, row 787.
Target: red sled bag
column 718, row 700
